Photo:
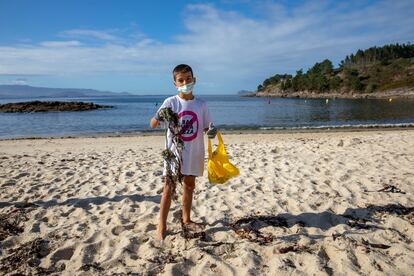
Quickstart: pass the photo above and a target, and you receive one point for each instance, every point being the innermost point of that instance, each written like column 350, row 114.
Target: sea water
column 131, row 114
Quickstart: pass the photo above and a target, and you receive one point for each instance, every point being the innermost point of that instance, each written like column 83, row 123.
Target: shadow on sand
column 85, row 203
column 356, row 218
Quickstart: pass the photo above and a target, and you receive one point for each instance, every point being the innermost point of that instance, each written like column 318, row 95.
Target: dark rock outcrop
column 48, row 106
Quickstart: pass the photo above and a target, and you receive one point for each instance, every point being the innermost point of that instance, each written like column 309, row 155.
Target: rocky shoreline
column 395, row 93
column 49, row 106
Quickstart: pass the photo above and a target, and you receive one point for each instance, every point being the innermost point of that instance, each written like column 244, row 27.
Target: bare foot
column 161, row 233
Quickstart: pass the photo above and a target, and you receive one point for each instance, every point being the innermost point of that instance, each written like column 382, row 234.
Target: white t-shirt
column 194, row 117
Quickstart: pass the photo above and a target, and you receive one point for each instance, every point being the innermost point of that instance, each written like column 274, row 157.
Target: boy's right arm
column 156, row 119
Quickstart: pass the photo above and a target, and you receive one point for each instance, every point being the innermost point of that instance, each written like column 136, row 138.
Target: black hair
column 182, row 68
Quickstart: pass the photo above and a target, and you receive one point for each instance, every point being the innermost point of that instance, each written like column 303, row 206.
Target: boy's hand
column 212, row 131
column 157, row 116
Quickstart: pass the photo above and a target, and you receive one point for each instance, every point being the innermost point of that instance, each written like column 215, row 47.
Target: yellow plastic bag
column 219, row 167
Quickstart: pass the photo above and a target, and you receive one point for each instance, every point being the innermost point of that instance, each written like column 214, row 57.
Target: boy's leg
column 164, row 208
column 189, row 185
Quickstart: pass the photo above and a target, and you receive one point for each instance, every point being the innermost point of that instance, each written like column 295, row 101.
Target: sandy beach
column 327, row 203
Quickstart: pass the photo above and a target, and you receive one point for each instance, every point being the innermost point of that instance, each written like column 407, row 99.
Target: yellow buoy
column 327, row 101
column 390, row 100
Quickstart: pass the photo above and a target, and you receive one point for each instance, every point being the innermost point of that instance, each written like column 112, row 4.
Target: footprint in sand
column 117, row 230
column 344, row 177
column 9, row 183
column 150, row 227
column 62, row 254
column 90, row 252
column 20, row 175
column 129, row 174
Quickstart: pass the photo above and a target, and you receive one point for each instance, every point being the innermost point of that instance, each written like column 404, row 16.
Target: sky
column 232, row 45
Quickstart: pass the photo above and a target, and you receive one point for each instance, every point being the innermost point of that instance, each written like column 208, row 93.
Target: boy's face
column 183, row 78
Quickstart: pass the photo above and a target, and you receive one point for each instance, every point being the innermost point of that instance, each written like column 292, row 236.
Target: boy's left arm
column 211, row 131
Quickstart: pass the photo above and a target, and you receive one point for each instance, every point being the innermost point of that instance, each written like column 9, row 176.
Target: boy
column 194, row 118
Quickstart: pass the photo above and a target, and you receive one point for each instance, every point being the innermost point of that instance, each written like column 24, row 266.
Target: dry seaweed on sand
column 94, row 267
column 391, row 189
column 162, row 260
column 172, row 159
column 247, row 227
column 406, row 213
column 375, row 245
column 294, row 248
column 388, row 189
column 188, row 234
column 397, row 209
column 363, row 243
column 11, row 223
column 165, row 258
column 253, row 235
column 25, row 259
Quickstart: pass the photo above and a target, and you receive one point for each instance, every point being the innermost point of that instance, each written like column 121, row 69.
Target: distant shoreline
column 244, row 131
column 401, row 93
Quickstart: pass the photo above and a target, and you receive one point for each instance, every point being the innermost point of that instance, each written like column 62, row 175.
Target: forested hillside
column 367, row 72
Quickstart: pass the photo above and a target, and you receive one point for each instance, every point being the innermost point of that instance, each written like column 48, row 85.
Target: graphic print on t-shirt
column 189, row 125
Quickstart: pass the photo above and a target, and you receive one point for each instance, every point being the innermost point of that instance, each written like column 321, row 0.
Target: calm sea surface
column 132, row 114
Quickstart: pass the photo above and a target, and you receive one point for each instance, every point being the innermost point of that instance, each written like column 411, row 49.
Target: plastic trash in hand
column 212, row 131
column 220, row 170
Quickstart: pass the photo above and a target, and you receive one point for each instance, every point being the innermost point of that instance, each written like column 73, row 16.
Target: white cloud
column 103, row 35
column 228, row 50
column 70, row 43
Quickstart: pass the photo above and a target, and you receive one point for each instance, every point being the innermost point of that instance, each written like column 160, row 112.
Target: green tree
column 335, row 83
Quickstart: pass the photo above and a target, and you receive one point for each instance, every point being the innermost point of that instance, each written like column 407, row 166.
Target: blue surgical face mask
column 186, row 88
